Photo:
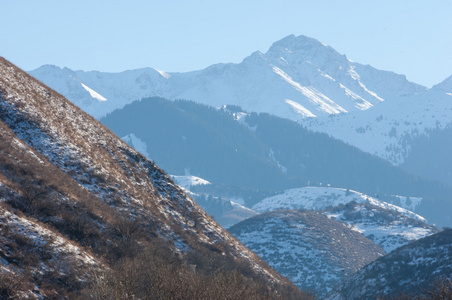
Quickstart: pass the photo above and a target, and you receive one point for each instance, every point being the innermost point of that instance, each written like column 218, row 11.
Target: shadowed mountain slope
column 258, row 152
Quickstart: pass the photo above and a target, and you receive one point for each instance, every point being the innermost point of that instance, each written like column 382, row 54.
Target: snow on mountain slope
column 98, row 93
column 389, row 129
column 49, row 255
column 388, row 225
column 297, row 77
column 390, row 229
column 409, row 270
column 313, row 251
column 94, row 94
column 321, row 198
column 41, row 237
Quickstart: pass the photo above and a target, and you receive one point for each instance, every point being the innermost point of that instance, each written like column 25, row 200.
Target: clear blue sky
column 410, row 37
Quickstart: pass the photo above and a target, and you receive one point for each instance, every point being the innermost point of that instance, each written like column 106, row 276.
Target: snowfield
column 321, row 198
column 386, row 224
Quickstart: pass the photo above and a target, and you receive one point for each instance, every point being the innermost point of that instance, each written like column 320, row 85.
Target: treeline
column 184, row 135
column 317, row 157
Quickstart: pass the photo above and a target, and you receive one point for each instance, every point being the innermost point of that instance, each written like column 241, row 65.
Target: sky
column 409, row 37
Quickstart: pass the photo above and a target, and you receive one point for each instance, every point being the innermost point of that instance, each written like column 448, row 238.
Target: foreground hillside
column 82, row 213
column 409, row 270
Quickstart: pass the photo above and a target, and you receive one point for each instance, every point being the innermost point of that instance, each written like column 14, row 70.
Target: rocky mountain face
column 81, row 210
column 313, row 251
column 409, row 270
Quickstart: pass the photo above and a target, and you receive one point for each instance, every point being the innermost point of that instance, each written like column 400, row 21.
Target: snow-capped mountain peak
column 316, row 79
column 305, row 48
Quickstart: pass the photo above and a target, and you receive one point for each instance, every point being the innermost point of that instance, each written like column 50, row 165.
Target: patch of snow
column 187, row 181
column 388, row 129
column 322, row 102
column 321, row 198
column 300, row 109
column 164, row 74
column 93, row 93
column 409, row 203
column 362, row 104
column 271, row 155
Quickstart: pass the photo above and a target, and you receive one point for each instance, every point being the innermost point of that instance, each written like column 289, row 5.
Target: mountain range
column 298, row 78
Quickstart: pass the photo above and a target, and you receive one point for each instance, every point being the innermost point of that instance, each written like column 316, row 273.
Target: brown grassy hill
column 82, row 214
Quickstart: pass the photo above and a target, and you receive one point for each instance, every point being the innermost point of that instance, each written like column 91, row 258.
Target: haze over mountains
column 298, row 78
column 297, row 127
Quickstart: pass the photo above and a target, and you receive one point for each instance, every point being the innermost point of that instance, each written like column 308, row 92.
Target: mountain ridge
column 329, row 83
